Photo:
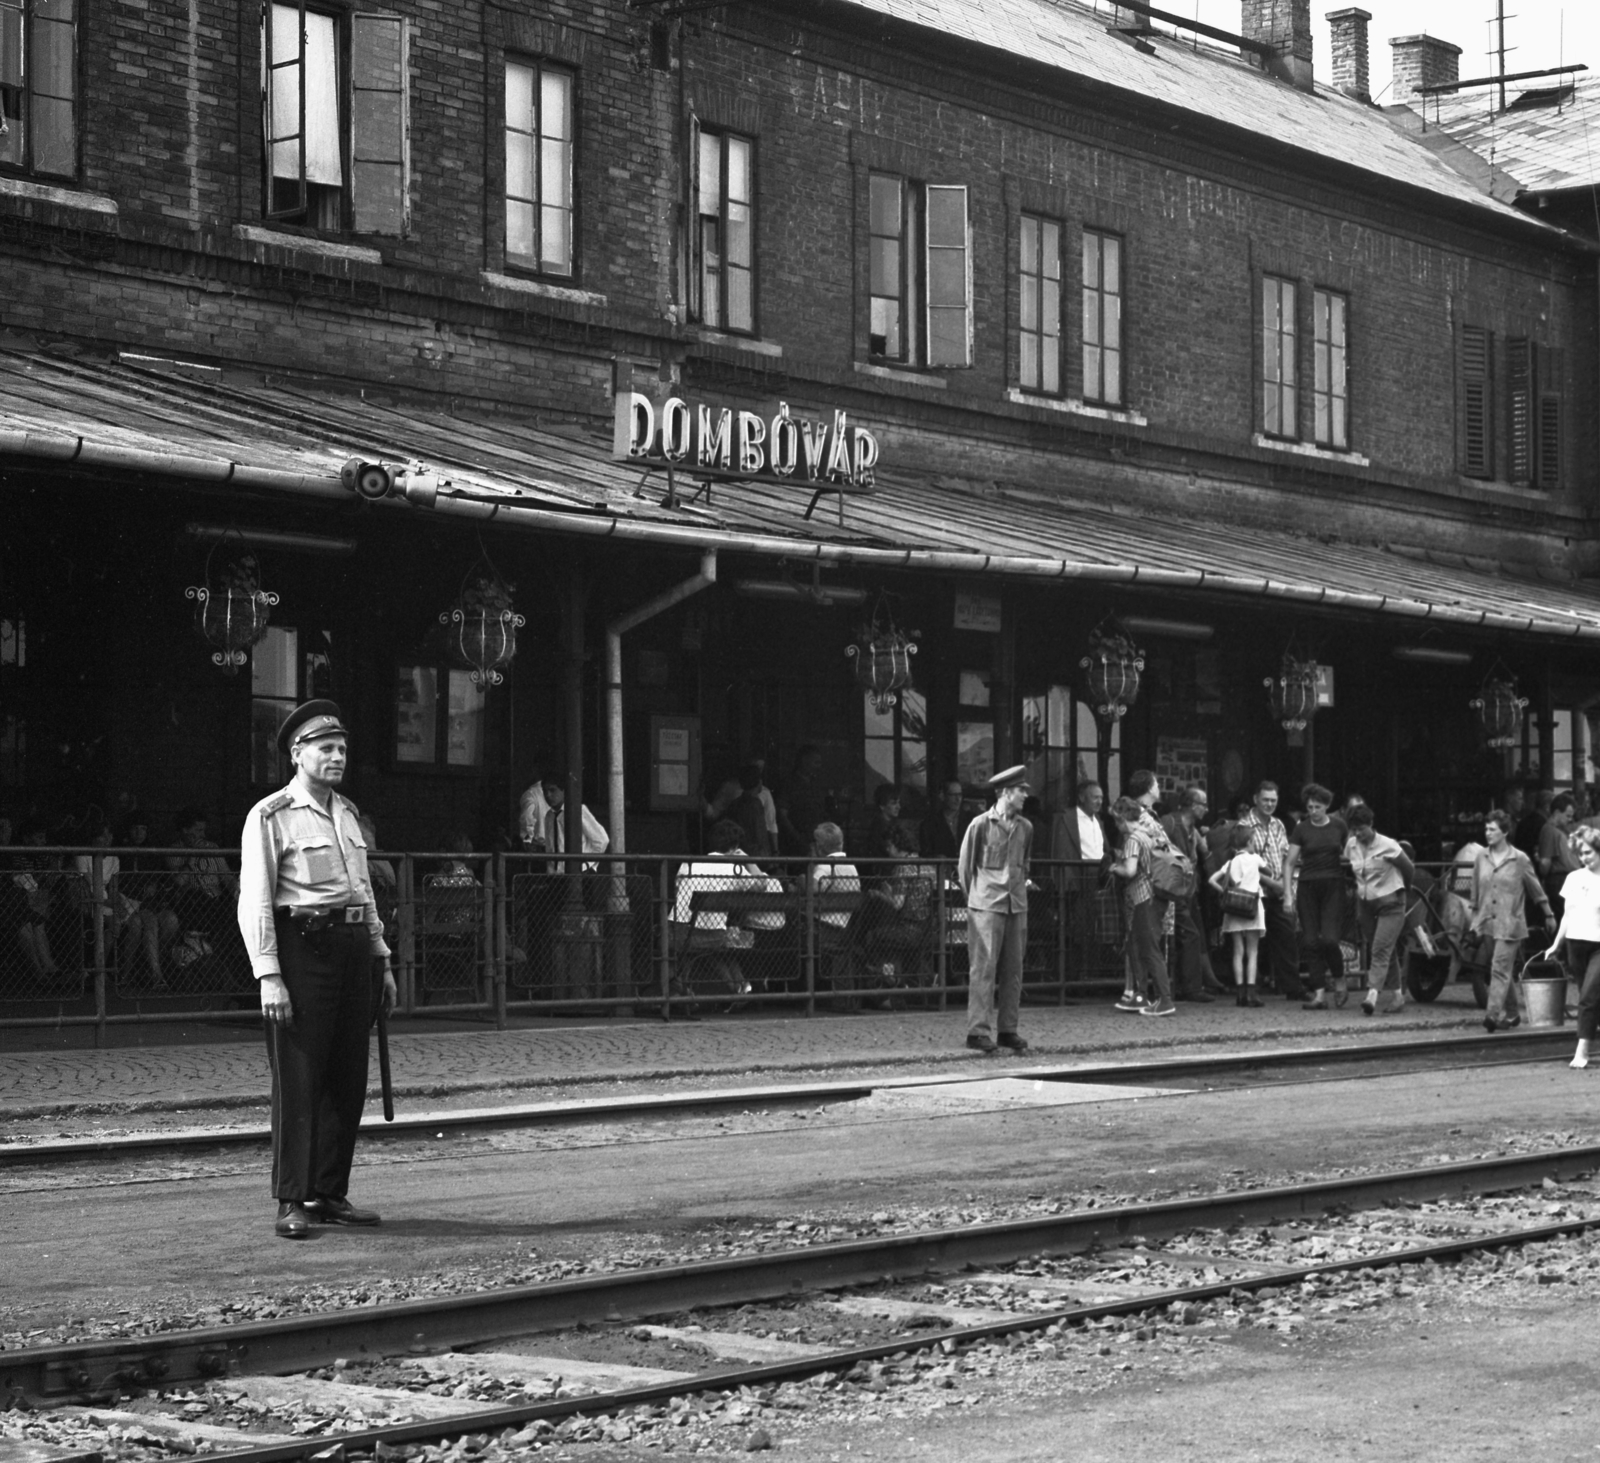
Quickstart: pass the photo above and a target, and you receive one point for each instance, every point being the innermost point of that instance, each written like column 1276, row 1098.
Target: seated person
column 893, row 926
column 727, row 868
column 831, row 874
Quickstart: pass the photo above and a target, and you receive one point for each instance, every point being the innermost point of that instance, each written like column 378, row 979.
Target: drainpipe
column 615, row 630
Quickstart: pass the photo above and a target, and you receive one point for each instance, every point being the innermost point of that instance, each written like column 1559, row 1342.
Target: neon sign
column 744, row 444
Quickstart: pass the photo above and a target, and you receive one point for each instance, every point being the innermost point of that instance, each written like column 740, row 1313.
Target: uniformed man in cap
column 993, row 869
column 316, row 947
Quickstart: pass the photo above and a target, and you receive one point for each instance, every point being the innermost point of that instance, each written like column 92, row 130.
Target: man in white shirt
column 552, row 836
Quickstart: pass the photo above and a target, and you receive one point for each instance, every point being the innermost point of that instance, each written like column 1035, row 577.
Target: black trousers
column 319, row 1060
column 1282, row 948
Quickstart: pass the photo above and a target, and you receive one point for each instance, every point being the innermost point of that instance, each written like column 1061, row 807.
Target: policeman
column 316, row 946
column 993, row 870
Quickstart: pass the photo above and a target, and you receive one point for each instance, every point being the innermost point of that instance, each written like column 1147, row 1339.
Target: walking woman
column 1383, row 874
column 1579, row 931
column 1314, row 873
column 1242, row 872
column 1503, row 881
column 1148, row 990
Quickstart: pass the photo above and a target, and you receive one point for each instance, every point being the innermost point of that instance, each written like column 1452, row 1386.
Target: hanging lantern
column 482, row 624
column 882, row 658
column 1292, row 694
column 1500, row 710
column 1111, row 670
column 233, row 612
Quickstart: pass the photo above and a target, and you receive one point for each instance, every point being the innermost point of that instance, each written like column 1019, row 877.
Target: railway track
column 1072, row 1271
column 1207, row 1070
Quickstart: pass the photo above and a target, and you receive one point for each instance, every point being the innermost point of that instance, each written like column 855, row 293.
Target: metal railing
column 114, row 936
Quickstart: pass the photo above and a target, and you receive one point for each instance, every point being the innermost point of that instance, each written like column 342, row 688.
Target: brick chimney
column 1285, row 25
column 1422, row 61
column 1350, row 71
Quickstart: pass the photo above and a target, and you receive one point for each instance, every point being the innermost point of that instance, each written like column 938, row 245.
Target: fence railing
column 100, row 935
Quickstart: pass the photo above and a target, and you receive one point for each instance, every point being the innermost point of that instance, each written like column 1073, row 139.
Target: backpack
column 1172, row 874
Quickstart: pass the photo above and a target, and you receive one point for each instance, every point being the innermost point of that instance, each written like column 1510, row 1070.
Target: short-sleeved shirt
column 1320, row 848
column 1580, row 918
column 1377, row 876
column 1268, row 839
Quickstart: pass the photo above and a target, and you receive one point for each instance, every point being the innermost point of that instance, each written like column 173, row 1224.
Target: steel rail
column 430, row 1124
column 302, row 1343
column 500, row 1419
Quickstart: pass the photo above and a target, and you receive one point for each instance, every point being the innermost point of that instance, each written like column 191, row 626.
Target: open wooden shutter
column 691, row 220
column 378, row 106
column 1477, row 444
column 1519, row 411
column 283, row 106
column 1550, row 385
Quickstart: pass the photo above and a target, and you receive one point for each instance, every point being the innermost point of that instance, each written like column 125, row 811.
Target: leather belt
column 314, row 921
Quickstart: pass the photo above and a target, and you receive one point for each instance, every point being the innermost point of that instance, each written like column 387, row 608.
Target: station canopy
column 242, row 433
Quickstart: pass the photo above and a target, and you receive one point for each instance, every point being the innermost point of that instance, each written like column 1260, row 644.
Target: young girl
column 1243, row 871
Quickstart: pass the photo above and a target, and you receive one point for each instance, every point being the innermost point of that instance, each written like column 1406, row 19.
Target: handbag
column 1171, row 874
column 1242, row 903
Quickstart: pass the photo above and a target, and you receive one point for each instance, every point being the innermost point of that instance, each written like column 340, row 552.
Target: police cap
column 309, row 720
column 1012, row 777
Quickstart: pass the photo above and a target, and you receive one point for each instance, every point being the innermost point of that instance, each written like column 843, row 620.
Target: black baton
column 383, row 1062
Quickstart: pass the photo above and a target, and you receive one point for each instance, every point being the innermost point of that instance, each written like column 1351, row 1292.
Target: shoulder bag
column 1171, row 874
column 1239, row 902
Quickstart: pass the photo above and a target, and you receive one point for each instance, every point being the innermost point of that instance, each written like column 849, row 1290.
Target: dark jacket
column 1064, row 843
column 937, row 839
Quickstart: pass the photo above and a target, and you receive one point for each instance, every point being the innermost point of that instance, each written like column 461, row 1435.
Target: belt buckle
column 355, row 914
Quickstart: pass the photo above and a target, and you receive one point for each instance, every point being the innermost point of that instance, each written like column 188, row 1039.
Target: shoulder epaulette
column 277, row 804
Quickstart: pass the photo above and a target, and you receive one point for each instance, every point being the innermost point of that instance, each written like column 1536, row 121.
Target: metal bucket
column 1544, row 992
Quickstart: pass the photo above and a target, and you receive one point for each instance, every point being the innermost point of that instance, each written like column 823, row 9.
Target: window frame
column 355, row 62
column 1035, row 315
column 1280, row 375
column 918, row 279
column 907, row 729
column 1330, row 359
column 312, row 659
column 27, row 96
column 1097, row 291
column 438, row 764
column 727, row 139
column 1475, row 370
column 537, row 265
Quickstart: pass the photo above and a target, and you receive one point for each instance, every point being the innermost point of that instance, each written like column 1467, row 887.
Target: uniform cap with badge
column 1012, row 777
column 309, row 721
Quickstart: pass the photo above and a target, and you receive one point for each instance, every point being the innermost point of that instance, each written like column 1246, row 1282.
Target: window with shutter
column 1519, row 411
column 378, row 124
column 920, row 272
column 539, row 192
column 1280, row 400
column 39, row 87
column 1547, row 423
column 1477, row 446
column 723, row 244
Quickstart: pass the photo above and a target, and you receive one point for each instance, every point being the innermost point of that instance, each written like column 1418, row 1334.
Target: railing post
column 494, row 888
column 405, row 929
column 663, row 928
column 1061, row 933
column 809, row 959
column 100, row 904
column 943, row 963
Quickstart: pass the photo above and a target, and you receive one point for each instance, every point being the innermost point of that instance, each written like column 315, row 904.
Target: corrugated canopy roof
column 232, row 430
column 1219, row 86
column 1545, row 147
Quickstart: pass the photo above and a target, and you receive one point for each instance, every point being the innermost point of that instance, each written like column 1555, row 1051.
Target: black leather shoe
column 981, row 1044
column 1013, row 1042
column 293, row 1221
column 339, row 1211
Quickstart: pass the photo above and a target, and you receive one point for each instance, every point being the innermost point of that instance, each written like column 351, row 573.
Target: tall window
column 39, row 86
column 337, row 146
column 1330, row 387
column 724, row 240
column 1476, row 376
column 1279, row 393
column 920, row 272
column 539, row 113
column 439, row 716
column 1533, row 414
column 1062, row 743
column 1039, row 335
column 896, row 747
column 286, row 668
column 1102, row 318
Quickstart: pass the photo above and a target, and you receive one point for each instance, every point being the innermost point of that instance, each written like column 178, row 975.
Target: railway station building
column 1002, row 349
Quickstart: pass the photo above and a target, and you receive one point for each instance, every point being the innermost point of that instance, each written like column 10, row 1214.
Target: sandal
column 1340, row 993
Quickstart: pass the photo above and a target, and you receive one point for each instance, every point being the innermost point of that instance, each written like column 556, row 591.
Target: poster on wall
column 1180, row 761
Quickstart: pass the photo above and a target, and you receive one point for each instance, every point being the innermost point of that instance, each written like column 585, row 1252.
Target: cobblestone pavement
column 231, row 1071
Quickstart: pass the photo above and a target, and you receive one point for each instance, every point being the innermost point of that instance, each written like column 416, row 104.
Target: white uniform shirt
column 294, row 855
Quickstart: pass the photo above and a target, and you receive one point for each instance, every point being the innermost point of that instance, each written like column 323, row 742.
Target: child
column 1243, row 871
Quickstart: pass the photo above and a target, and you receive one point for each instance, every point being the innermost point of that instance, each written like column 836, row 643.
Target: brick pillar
column 1285, row 25
column 1422, row 61
column 1351, row 74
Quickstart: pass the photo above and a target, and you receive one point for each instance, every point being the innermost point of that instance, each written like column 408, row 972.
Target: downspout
column 615, row 630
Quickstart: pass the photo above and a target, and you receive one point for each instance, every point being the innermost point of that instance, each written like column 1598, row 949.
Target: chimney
column 1350, row 71
column 1422, row 61
column 1285, row 25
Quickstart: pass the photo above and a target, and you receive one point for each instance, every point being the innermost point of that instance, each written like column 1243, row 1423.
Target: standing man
column 993, row 870
column 1085, row 835
column 316, row 947
column 1269, row 840
column 944, row 828
column 1555, row 857
column 1192, row 976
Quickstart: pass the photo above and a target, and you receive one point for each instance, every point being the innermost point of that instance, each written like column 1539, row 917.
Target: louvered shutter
column 1477, row 445
column 1550, row 384
column 378, row 96
column 1519, row 411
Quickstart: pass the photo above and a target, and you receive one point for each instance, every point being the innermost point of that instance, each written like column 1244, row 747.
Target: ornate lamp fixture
column 882, row 657
column 233, row 612
column 1292, row 694
column 1499, row 708
column 1111, row 669
column 482, row 624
